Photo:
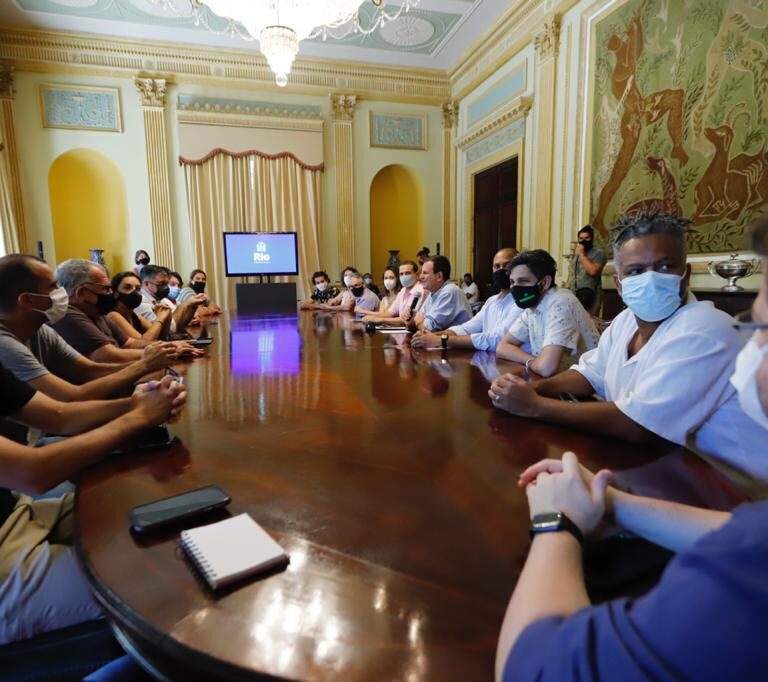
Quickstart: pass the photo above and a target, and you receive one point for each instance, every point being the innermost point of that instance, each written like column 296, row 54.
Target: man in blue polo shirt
column 446, row 306
column 706, row 618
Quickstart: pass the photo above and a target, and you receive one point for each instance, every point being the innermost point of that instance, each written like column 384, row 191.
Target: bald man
column 487, row 328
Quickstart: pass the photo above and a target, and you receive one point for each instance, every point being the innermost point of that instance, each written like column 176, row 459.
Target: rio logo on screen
column 260, row 255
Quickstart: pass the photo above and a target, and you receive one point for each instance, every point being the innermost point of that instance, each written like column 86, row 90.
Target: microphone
column 415, row 300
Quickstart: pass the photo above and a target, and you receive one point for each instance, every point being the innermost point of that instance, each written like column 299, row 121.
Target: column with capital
column 343, row 107
column 450, row 130
column 11, row 203
column 152, row 92
column 546, row 44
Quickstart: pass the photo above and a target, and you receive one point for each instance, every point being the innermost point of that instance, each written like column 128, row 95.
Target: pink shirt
column 404, row 297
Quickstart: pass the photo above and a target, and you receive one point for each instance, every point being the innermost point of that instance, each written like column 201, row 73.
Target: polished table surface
column 384, row 472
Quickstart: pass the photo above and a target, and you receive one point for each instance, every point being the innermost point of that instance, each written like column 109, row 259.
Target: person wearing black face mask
column 587, row 266
column 552, row 322
column 198, row 281
column 486, row 329
column 364, row 297
column 154, row 294
column 85, row 327
column 141, row 258
column 127, row 288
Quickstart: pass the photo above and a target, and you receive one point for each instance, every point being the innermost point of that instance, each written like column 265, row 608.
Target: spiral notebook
column 232, row 549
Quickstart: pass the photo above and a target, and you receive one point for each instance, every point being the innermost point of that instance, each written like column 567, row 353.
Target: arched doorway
column 397, row 216
column 89, row 207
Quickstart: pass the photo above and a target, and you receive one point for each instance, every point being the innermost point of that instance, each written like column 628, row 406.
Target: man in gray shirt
column 587, row 270
column 35, row 353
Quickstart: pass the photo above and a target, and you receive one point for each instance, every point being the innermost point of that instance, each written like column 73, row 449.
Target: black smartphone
column 200, row 342
column 147, row 517
column 153, row 438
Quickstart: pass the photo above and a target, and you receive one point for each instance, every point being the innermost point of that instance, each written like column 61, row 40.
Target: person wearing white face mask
column 345, row 299
column 662, row 367
column 705, row 620
column 391, row 290
column 29, row 297
column 323, row 291
column 411, row 289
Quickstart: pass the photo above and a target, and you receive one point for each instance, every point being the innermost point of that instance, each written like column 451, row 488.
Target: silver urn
column 732, row 269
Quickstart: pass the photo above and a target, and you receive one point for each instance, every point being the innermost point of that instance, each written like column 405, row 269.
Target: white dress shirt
column 488, row 327
column 678, row 384
column 147, row 307
column 557, row 320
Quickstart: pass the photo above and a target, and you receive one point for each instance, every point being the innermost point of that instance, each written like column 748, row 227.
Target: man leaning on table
column 446, row 306
column 41, row 585
column 705, row 620
column 553, row 324
column 30, row 296
column 661, row 367
column 486, row 329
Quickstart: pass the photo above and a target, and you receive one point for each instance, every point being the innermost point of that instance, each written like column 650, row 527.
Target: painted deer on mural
column 668, row 202
column 731, row 49
column 639, row 111
column 725, row 189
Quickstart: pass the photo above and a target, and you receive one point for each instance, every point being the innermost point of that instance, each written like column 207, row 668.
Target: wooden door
column 495, row 219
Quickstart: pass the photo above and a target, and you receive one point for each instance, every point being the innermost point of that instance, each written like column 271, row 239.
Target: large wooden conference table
column 385, row 473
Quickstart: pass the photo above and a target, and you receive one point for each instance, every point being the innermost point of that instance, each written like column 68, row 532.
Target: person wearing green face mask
column 553, row 322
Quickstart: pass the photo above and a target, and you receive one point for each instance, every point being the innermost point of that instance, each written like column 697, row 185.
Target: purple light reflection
column 265, row 347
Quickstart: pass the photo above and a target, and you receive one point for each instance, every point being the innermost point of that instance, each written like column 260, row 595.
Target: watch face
column 544, row 522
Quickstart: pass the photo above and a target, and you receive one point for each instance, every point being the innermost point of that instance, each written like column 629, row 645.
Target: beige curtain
column 247, row 192
column 7, row 214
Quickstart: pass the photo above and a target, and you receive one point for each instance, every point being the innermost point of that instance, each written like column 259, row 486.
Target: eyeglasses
column 744, row 321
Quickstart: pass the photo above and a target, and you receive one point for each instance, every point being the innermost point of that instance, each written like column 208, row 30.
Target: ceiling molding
column 514, row 31
column 517, row 108
column 240, row 120
column 81, row 53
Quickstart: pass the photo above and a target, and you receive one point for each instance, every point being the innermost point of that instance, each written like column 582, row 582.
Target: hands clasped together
column 565, row 486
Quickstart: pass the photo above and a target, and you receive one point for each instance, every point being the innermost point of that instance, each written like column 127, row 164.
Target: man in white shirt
column 446, row 305
column 154, row 292
column 470, row 289
column 411, row 288
column 487, row 328
column 553, row 322
column 663, row 365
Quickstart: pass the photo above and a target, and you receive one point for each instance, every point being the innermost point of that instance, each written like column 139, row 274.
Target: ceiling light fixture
column 280, row 25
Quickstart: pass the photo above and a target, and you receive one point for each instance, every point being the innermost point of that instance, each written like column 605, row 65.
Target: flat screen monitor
column 260, row 253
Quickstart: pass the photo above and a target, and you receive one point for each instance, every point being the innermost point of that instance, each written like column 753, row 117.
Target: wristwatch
column 444, row 341
column 552, row 522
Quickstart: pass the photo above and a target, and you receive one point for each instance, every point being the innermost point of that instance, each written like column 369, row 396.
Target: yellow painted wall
column 397, row 216
column 89, row 208
column 39, row 147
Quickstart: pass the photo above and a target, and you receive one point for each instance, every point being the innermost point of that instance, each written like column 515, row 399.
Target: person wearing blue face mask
column 662, row 367
column 705, row 620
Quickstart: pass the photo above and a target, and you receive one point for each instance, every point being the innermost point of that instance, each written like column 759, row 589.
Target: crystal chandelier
column 280, row 25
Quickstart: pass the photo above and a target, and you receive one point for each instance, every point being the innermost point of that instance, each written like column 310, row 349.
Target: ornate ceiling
column 434, row 35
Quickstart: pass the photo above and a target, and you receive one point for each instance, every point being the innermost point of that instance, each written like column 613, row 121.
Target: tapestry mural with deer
column 681, row 116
